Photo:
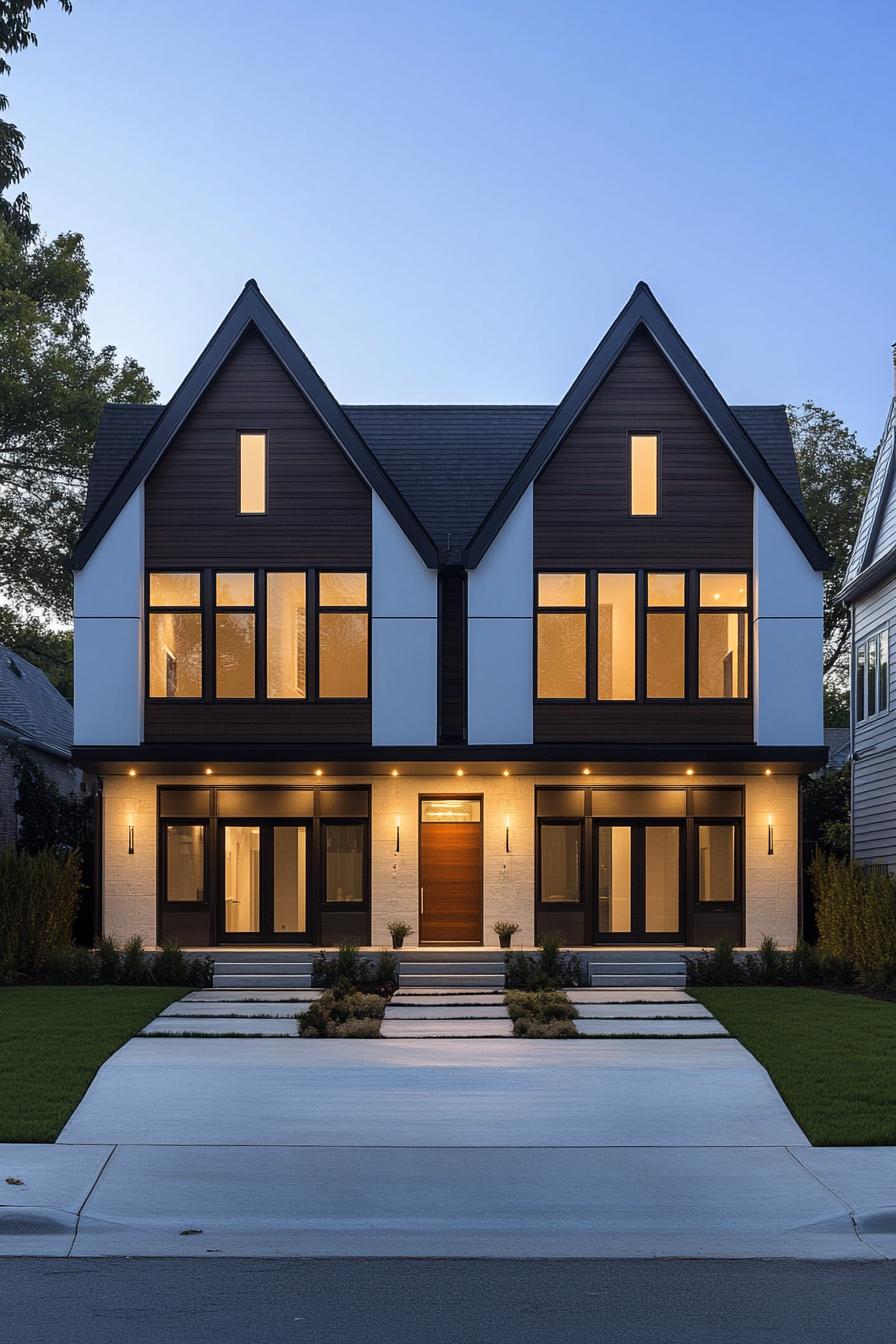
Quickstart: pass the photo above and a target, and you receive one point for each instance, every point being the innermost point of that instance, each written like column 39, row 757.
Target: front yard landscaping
column 53, row 1040
column 832, row 1056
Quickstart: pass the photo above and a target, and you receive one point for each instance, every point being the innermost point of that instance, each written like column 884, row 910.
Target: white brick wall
column 509, row 879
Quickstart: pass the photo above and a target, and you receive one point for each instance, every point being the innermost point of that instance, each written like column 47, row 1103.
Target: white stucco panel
column 784, row 582
column 499, row 681
column 111, row 583
column 405, row 696
column 108, row 681
column 501, row 584
column 402, row 584
column 788, row 688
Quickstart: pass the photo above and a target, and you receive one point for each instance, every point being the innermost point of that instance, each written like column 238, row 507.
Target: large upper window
column 175, row 636
column 256, row 627
column 644, row 474
column 562, row 637
column 235, row 636
column 871, row 694
column 723, row 640
column 342, row 636
column 654, row 635
column 253, row 471
column 287, row 648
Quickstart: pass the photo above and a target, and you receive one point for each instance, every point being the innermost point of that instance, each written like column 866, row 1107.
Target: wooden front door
column 451, row 870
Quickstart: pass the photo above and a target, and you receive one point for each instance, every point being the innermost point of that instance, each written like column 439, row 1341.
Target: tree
column 835, row 473
column 16, row 34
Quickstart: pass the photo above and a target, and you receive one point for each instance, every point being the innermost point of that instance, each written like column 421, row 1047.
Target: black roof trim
column 869, row 578
column 643, row 310
column 252, row 309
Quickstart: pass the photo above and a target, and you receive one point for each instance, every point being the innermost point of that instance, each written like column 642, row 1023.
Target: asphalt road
column 113, row 1301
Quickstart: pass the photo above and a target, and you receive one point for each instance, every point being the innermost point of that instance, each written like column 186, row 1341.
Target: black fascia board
column 252, row 309
column 643, row 310
column 869, row 578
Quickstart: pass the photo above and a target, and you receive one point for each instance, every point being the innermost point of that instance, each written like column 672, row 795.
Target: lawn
column 53, row 1040
column 831, row 1056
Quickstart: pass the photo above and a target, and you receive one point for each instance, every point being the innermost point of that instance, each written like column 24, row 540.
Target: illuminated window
column 235, row 636
column 616, row 626
column 562, row 632
column 253, row 473
column 644, row 452
column 345, row 851
column 184, row 861
column 561, row 861
column 287, row 650
column 342, row 633
column 665, row 637
column 175, row 637
column 715, row 863
column 723, row 637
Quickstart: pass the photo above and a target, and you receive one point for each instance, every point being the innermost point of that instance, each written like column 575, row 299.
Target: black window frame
column 579, row 823
column 353, row 610
column 692, row 612
column 186, row 906
column 154, row 609
column 232, row 609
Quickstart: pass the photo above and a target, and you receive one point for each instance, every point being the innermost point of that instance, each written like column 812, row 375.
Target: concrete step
column 265, row 954
column 445, row 1030
column 454, row 965
column 635, row 954
column 451, row 954
column 445, row 1013
column 412, row 980
column 258, row 966
column 614, row 981
column 241, row 980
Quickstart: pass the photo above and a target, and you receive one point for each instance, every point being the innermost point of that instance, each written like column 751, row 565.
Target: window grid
column 690, row 610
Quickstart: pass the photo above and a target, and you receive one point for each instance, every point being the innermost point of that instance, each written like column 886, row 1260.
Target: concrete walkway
column 445, row 1014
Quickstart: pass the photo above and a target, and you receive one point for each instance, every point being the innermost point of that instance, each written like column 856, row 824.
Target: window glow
column 253, row 473
column 644, row 474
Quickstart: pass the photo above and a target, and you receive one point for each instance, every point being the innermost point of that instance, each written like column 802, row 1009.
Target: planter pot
column 504, row 940
column 397, row 942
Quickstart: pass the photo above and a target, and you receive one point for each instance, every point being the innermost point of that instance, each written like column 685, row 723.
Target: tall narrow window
column 561, row 861
column 184, row 861
column 883, row 672
column 235, row 636
column 616, row 636
column 872, row 682
column 342, row 636
column 614, row 879
column 345, row 849
column 287, row 648
column 175, row 636
column 562, row 625
column 723, row 637
column 644, row 454
column 860, row 683
column 665, row 637
column 253, row 473
column 715, row 863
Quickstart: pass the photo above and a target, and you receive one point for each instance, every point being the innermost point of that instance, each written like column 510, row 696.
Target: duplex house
column 341, row 665
column 870, row 590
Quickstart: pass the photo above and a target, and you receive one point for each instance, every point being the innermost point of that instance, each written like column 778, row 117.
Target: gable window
column 872, row 675
column 253, row 452
column 287, row 645
column 723, row 637
column 659, row 636
column 644, row 472
column 342, row 633
column 665, row 637
column 235, row 636
column 175, row 636
column 562, row 636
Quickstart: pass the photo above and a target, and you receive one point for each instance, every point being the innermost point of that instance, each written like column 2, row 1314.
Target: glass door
column 640, row 872
column 264, row 881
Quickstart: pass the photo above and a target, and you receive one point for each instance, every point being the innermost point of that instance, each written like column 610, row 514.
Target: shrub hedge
column 38, row 899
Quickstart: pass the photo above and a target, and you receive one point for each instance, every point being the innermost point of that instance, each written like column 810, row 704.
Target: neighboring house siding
column 8, row 817
column 874, row 763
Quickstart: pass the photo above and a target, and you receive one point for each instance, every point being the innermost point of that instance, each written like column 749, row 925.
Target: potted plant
column 399, row 931
column 505, row 929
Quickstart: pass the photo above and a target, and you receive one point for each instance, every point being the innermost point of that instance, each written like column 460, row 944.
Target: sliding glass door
column 265, row 868
column 639, row 880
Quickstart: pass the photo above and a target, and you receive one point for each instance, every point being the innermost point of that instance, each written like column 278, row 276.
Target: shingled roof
column 31, row 708
column 449, row 462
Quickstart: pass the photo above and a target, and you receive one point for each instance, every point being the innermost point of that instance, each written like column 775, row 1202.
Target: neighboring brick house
column 34, row 715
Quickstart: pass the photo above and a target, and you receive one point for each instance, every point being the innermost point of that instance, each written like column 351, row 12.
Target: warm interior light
column 586, row 771
column 318, row 772
column 505, row 773
column 132, row 773
column 208, row 769
column 689, row 771
column 394, row 773
column 768, row 772
column 459, row 773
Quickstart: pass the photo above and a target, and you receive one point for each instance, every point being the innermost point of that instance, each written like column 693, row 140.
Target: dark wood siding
column 581, row 498
column 582, row 520
column 319, row 511
column 319, row 515
column 452, row 658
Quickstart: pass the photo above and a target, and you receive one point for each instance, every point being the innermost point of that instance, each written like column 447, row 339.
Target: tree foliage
column 835, row 472
column 16, row 34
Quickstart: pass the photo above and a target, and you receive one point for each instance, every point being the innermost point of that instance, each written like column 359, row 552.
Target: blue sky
column 451, row 201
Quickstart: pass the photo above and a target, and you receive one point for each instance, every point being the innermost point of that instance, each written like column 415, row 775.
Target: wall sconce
column 771, row 835
column 130, row 837
column 398, row 835
column 506, row 835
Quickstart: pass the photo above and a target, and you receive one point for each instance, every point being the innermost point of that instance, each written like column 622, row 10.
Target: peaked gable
column 642, row 312
column 874, row 552
column 252, row 310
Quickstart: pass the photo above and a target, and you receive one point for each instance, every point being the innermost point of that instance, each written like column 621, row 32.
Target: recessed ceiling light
column 394, row 773
column 459, row 773
column 586, row 771
column 132, row 773
column 768, row 772
column 208, row 769
column 689, row 771
column 318, row 772
column 505, row 773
